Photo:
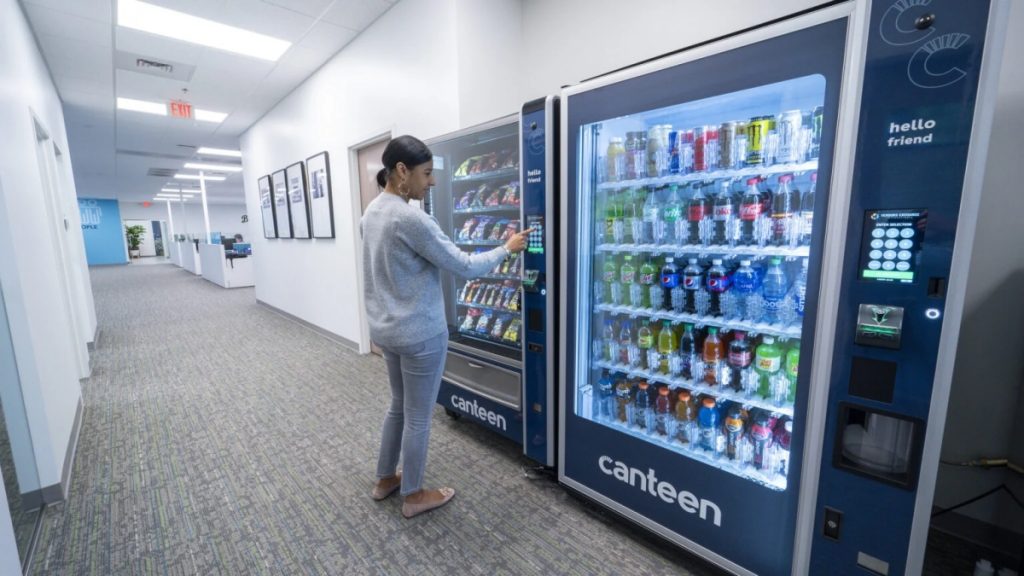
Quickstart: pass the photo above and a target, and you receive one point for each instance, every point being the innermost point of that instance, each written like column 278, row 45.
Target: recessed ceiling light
column 208, row 116
column 188, row 28
column 158, row 108
column 214, row 167
column 219, row 152
column 163, row 199
column 198, row 177
column 175, row 195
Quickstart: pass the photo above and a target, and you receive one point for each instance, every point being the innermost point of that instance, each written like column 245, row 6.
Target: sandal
column 382, row 493
column 409, row 509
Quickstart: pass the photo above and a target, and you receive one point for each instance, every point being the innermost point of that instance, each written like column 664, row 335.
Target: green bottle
column 645, row 341
column 792, row 365
column 627, row 276
column 612, row 291
column 767, row 361
column 648, row 276
column 666, row 346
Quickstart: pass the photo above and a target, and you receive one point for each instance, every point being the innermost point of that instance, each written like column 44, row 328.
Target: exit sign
column 181, row 109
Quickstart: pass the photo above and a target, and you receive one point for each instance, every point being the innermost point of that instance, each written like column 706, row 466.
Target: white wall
column 39, row 316
column 9, row 556
column 188, row 218
column 490, row 59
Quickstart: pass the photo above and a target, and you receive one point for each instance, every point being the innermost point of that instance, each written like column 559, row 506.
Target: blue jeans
column 415, row 375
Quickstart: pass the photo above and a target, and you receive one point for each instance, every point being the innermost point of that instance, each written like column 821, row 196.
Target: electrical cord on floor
column 1001, row 487
column 988, row 463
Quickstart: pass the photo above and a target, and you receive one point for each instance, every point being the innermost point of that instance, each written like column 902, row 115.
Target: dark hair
column 406, row 149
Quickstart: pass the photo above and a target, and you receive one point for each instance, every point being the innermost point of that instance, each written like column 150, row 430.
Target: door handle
column 471, row 365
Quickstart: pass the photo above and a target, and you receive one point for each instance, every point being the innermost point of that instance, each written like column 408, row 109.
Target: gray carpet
column 221, row 438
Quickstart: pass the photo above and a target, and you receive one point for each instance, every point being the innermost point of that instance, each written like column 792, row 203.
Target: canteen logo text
column 648, row 482
column 472, row 408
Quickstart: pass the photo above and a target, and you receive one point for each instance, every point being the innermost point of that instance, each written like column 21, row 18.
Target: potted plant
column 134, row 235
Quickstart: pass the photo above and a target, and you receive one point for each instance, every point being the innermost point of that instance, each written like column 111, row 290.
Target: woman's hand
column 517, row 243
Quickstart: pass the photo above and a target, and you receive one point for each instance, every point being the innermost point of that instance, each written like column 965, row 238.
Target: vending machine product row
column 494, row 180
column 758, row 235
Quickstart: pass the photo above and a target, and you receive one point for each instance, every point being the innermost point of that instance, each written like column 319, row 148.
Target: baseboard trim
column 95, row 339
column 69, row 456
column 322, row 332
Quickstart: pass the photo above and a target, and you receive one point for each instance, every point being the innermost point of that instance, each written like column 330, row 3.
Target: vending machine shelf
column 734, row 174
column 779, row 330
column 503, row 173
column 489, row 209
column 704, row 251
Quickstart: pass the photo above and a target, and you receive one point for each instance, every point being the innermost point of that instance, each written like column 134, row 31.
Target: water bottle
column 664, row 423
column 744, row 285
column 605, row 391
column 611, row 345
column 672, row 215
column 799, row 291
column 774, row 289
column 653, row 227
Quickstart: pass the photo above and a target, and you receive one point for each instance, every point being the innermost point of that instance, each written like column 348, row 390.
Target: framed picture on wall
column 282, row 216
column 267, row 207
column 297, row 202
column 318, row 174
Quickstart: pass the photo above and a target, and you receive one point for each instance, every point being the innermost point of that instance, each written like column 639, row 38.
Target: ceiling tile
column 86, row 100
column 50, row 22
column 258, row 16
column 209, row 9
column 355, row 14
column 158, row 47
column 99, row 86
column 70, row 57
column 327, row 39
column 312, row 8
column 101, row 10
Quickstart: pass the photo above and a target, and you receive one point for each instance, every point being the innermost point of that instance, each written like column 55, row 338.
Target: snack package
column 510, row 194
column 467, row 229
column 512, row 228
column 466, row 168
column 512, row 334
column 488, row 163
column 467, row 289
column 499, row 326
column 483, row 323
column 466, row 200
column 470, row 320
column 508, row 159
column 481, row 228
column 493, row 198
column 480, row 297
column 478, row 196
column 514, row 301
column 496, row 231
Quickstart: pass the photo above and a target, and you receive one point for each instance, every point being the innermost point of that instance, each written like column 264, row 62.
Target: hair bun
column 382, row 179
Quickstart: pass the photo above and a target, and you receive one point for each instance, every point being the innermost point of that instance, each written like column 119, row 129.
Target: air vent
column 187, row 146
column 161, row 66
column 143, row 64
column 162, row 172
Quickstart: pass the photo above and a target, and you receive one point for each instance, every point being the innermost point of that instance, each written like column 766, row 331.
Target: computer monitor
column 229, row 243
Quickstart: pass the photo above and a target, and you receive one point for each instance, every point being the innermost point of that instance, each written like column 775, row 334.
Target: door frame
column 356, row 198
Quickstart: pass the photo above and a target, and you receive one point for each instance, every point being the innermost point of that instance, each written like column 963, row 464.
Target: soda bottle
column 784, row 203
column 734, row 424
column 686, row 418
column 605, row 391
column 724, row 212
column 714, row 353
column 740, row 358
column 652, row 219
column 761, row 435
column 611, row 345
column 623, row 398
column 693, row 277
column 648, row 286
column 670, row 285
column 687, row 351
column 642, row 415
column 767, row 362
column 744, row 285
column 783, row 439
column 792, row 371
column 615, row 227
column 663, row 411
column 800, row 290
column 696, row 211
column 718, row 283
column 645, row 342
column 750, row 212
column 626, row 352
column 672, row 213
column 633, row 216
column 707, row 425
column 774, row 289
column 666, row 347
column 627, row 278
column 807, row 210
column 612, row 290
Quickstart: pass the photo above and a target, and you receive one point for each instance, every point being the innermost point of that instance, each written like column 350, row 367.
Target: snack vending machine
column 759, row 242
column 499, row 358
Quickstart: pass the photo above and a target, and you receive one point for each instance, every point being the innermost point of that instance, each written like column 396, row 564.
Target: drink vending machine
column 494, row 180
column 765, row 243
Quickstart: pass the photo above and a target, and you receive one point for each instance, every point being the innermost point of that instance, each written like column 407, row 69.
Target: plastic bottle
column 807, row 211
column 672, row 213
column 718, row 284
column 627, row 278
column 693, row 277
column 697, row 210
column 615, row 226
column 652, row 230
column 626, row 353
column 648, row 285
column 744, row 285
column 645, row 343
column 714, row 353
column 642, row 414
column 741, row 356
column 663, row 420
column 799, row 291
column 623, row 398
column 761, row 435
column 774, row 289
column 750, row 212
column 707, row 424
column 783, row 439
column 767, row 361
column 612, row 290
column 633, row 212
column 604, row 390
column 784, row 204
column 687, row 351
column 792, row 371
column 734, row 426
column 724, row 212
column 672, row 293
column 666, row 348
column 686, row 417
column 609, row 344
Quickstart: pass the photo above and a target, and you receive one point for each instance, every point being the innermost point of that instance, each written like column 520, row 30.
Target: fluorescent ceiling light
column 162, row 199
column 158, row 108
column 198, row 177
column 219, row 152
column 188, row 28
column 169, row 195
column 175, row 190
column 208, row 116
column 214, row 167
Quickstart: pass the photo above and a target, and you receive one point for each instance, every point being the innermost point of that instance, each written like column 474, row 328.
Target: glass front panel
column 697, row 235
column 477, row 202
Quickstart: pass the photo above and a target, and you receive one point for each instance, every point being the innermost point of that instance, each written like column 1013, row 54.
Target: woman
column 404, row 251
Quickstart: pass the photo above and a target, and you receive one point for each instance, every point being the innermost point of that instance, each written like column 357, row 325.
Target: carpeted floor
column 221, row 438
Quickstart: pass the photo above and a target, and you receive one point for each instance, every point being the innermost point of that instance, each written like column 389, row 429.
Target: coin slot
column 936, row 287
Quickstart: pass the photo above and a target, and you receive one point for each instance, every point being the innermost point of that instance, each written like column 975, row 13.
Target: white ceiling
column 112, row 150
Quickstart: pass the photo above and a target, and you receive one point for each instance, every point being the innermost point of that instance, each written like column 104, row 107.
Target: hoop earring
column 403, row 190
